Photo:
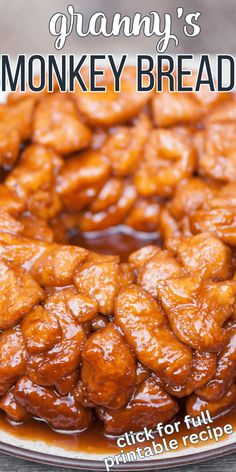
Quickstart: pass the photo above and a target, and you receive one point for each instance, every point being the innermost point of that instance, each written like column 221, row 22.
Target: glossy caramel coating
column 19, row 294
column 125, row 145
column 195, row 405
column 139, row 258
column 197, row 310
column 171, row 109
column 205, row 255
column 142, row 373
column 79, row 173
column 160, row 267
column 18, row 116
column 217, row 159
column 109, row 195
column 168, row 226
column 111, row 109
column 224, row 112
column 14, row 411
column 100, row 281
column 143, row 321
column 225, row 374
column 61, row 412
column 147, row 332
column 149, row 406
column 82, row 308
column 9, row 224
column 178, row 108
column 65, row 343
column 113, row 216
column 108, row 369
column 10, row 202
column 67, row 384
column 51, row 264
column 220, row 221
column 99, row 322
column 144, row 215
column 57, row 125
column 9, row 145
column 36, row 173
column 169, row 157
column 204, row 366
column 41, row 330
column 190, row 195
column 12, row 357
column 218, row 215
column 35, row 228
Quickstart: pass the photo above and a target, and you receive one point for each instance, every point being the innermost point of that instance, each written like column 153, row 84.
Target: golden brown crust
column 87, row 334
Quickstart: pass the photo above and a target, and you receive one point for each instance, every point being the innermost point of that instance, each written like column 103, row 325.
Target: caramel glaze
column 93, row 440
column 120, row 241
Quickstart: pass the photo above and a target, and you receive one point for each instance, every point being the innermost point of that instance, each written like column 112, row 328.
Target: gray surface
column 24, row 26
column 224, row 464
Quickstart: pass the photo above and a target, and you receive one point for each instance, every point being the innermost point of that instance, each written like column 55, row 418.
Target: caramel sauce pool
column 120, row 241
column 93, row 439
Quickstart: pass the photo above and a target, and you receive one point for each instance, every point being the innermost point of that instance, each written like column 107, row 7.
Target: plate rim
column 90, row 464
